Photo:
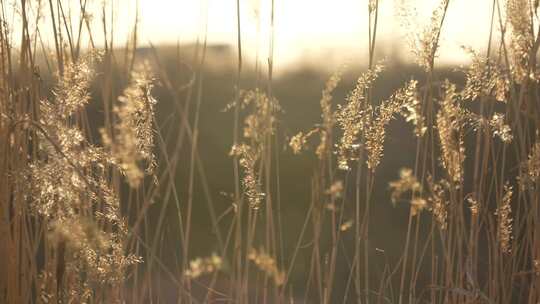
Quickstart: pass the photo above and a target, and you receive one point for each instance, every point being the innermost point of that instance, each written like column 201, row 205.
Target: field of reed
column 134, row 173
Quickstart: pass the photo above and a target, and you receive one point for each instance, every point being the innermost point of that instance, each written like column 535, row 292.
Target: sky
column 312, row 28
column 304, row 29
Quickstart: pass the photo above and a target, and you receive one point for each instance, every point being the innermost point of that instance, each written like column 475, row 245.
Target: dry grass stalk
column 450, row 123
column 504, row 221
column 132, row 140
column 267, row 264
column 518, row 14
column 259, row 125
column 354, row 117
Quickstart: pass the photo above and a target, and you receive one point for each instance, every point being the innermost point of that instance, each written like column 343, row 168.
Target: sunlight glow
column 308, row 29
column 305, row 30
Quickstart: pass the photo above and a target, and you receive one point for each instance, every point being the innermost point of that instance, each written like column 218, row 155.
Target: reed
column 87, row 204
